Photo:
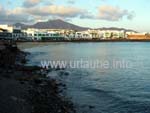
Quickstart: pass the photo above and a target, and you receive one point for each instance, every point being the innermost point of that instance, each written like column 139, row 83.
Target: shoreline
column 27, row 89
column 104, row 40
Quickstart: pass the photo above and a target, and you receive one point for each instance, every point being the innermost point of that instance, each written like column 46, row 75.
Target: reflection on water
column 101, row 90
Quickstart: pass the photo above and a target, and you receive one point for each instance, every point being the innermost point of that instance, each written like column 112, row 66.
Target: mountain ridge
column 60, row 24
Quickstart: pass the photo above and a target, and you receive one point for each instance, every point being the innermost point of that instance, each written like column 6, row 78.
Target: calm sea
column 101, row 90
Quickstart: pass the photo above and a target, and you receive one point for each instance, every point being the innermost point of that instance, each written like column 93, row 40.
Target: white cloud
column 35, row 12
column 56, row 10
column 111, row 13
column 23, row 14
column 13, row 16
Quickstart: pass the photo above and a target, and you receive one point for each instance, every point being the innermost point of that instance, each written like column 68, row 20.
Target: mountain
column 60, row 24
column 23, row 26
column 52, row 24
column 118, row 29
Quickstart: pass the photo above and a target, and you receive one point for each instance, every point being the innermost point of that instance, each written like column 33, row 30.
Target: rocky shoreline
column 26, row 89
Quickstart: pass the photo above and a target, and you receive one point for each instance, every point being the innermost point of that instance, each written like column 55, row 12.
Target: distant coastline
column 61, row 31
column 94, row 40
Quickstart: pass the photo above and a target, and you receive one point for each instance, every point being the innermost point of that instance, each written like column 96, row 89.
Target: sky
column 130, row 14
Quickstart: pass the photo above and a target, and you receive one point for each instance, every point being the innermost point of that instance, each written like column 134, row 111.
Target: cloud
column 55, row 10
column 87, row 15
column 58, row 11
column 31, row 3
column 111, row 13
column 39, row 13
column 71, row 1
column 37, row 10
column 13, row 16
column 9, row 2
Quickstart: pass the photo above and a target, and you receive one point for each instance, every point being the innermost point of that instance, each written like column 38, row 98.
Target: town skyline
column 92, row 13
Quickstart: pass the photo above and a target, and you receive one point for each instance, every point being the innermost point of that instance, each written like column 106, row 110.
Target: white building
column 38, row 34
column 9, row 28
column 112, row 34
column 30, row 33
column 16, row 32
column 83, row 35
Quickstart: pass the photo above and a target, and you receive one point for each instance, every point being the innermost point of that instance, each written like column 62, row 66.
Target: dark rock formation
column 25, row 89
